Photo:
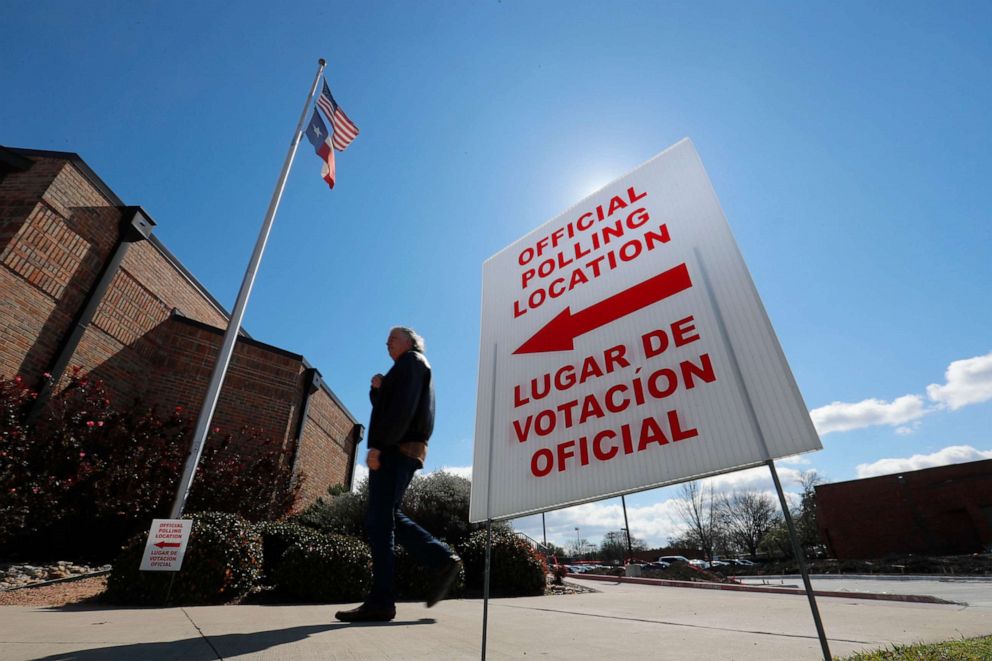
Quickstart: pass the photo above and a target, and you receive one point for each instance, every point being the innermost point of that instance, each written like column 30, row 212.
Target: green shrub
column 414, row 582
column 439, row 502
column 516, row 569
column 342, row 513
column 276, row 538
column 333, row 568
column 222, row 563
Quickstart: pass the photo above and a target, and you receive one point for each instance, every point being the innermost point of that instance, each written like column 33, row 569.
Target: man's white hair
column 414, row 337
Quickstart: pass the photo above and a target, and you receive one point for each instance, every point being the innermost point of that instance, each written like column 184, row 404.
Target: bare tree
column 698, row 509
column 746, row 517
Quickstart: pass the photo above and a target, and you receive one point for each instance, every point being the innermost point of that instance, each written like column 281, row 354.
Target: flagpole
column 234, row 325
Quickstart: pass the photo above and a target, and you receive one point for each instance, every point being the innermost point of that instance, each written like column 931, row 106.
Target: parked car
column 721, row 563
column 700, row 564
column 670, row 559
column 658, row 564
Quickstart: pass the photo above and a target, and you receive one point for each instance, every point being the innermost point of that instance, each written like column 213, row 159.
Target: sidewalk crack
column 205, row 637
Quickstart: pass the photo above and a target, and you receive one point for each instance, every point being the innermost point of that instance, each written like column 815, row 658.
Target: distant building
column 935, row 511
column 83, row 282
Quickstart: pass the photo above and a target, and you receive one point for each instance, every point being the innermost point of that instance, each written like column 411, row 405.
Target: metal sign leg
column 798, row 551
column 485, row 586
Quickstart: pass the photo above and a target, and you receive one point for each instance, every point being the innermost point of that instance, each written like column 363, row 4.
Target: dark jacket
column 403, row 407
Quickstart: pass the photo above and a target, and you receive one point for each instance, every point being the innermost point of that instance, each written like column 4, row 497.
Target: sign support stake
column 168, row 592
column 752, row 414
column 798, row 552
column 485, row 589
column 489, row 518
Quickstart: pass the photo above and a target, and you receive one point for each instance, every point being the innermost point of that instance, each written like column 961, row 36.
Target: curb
column 732, row 587
column 53, row 581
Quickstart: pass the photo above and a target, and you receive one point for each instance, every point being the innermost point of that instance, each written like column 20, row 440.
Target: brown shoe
column 366, row 613
column 443, row 580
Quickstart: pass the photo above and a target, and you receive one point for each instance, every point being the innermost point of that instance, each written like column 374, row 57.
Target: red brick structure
column 935, row 511
column 84, row 283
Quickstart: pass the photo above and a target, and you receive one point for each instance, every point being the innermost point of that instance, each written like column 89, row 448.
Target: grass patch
column 966, row 649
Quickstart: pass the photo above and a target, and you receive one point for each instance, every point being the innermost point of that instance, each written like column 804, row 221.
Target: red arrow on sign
column 163, row 545
column 559, row 333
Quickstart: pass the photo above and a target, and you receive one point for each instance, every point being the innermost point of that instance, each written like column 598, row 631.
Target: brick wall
column 938, row 511
column 327, row 450
column 156, row 333
column 52, row 253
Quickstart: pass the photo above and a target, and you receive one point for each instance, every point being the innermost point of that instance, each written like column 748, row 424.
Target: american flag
column 344, row 129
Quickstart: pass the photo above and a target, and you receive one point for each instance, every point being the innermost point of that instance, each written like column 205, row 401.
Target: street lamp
column 578, row 543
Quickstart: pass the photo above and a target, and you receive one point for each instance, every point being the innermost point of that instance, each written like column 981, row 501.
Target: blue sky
column 849, row 144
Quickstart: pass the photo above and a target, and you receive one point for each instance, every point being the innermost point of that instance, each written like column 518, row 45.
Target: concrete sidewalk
column 619, row 621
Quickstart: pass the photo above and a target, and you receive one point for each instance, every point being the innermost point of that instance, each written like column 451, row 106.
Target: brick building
column 83, row 282
column 935, row 511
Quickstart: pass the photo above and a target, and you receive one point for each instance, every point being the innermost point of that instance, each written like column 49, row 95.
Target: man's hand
column 377, row 381
column 373, row 460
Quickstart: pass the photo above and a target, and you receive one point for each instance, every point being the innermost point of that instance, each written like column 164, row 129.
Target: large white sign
column 166, row 545
column 624, row 347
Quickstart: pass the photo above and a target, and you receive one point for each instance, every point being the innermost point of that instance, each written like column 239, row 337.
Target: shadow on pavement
column 210, row 648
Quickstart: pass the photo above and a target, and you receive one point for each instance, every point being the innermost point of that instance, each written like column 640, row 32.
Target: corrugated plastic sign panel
column 624, row 347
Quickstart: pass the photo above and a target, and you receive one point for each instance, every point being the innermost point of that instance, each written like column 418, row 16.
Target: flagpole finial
column 322, row 62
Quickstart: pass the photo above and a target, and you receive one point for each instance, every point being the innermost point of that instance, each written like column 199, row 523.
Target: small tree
column 805, row 516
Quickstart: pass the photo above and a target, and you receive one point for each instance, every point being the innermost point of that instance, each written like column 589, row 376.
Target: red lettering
column 590, row 408
column 522, row 433
column 703, row 371
column 654, row 343
column 681, row 330
column 549, row 425
column 518, row 398
column 563, row 454
column 590, row 368
column 651, row 433
column 637, row 217
column 672, row 383
column 679, row 434
column 615, row 356
column 597, row 447
column 615, row 204
column 549, row 461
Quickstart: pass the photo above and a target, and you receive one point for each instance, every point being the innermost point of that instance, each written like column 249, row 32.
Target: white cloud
column 653, row 524
column 969, row 381
column 844, row 416
column 955, row 454
column 656, row 523
column 460, row 471
column 758, row 478
column 361, row 472
column 906, row 430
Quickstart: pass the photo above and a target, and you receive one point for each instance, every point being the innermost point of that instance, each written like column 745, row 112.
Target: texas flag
column 321, row 140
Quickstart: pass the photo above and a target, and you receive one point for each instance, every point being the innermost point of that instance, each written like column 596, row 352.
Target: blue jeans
column 386, row 525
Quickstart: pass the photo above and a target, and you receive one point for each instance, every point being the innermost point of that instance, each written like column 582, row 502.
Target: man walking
column 401, row 424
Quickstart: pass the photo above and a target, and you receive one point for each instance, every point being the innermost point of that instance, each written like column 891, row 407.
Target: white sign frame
column 670, row 310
